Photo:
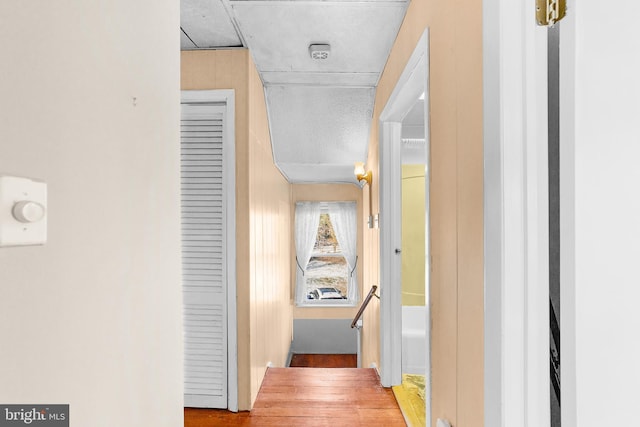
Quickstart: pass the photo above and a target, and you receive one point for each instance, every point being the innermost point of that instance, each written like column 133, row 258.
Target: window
column 326, row 236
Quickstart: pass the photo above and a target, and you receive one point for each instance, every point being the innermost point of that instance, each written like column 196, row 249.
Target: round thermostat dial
column 27, row 211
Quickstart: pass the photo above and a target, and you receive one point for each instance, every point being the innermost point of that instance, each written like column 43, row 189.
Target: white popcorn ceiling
column 319, row 132
column 319, row 111
column 206, row 24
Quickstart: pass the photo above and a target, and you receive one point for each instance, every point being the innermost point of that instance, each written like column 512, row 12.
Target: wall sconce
column 365, row 178
column 361, row 175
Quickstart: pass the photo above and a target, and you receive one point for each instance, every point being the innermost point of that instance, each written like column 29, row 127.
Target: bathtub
column 414, row 340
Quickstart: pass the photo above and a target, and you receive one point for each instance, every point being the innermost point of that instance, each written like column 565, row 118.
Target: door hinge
column 548, row 12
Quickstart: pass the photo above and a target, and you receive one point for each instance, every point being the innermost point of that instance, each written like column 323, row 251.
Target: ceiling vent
column 319, row 51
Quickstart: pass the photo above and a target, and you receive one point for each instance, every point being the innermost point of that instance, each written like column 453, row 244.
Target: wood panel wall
column 263, row 205
column 456, row 202
column 271, row 310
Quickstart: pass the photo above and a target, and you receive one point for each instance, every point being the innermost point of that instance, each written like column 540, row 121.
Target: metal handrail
column 365, row 303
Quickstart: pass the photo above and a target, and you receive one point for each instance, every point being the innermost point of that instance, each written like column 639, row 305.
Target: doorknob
column 398, row 251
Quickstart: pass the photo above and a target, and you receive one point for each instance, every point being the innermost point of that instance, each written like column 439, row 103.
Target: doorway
column 207, row 147
column 404, row 131
column 413, row 235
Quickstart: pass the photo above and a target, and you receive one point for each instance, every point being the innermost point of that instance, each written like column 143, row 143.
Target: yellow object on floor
column 411, row 398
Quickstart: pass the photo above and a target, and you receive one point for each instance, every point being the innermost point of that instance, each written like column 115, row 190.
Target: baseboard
column 374, row 366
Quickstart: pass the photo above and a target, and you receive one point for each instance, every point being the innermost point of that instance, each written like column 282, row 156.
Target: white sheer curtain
column 343, row 216
column 306, row 229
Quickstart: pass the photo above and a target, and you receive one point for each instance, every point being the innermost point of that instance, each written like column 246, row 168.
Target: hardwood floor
column 324, row 361
column 215, row 417
column 306, row 397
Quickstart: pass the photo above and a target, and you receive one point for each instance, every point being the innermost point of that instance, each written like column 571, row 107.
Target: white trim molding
column 390, row 261
column 516, row 217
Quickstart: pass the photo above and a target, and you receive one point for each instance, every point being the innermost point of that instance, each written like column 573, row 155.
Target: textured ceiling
column 279, row 34
column 315, row 126
column 319, row 110
column 206, row 24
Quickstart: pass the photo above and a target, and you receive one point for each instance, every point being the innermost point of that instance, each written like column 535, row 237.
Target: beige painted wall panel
column 198, row 72
column 93, row 318
column 470, row 212
column 327, row 193
column 444, row 278
column 371, row 266
column 456, row 199
column 270, row 206
column 227, row 61
column 264, row 307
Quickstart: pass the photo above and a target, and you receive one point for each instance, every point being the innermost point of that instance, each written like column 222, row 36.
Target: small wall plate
column 23, row 211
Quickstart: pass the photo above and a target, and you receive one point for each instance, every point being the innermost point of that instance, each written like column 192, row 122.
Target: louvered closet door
column 203, row 256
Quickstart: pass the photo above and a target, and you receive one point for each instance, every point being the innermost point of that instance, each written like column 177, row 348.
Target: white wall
column 93, row 318
column 601, row 214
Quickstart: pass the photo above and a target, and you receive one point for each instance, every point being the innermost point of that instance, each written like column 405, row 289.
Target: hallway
column 312, row 397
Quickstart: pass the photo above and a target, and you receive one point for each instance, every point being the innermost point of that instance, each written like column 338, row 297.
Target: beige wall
column 94, row 317
column 326, row 193
column 270, row 207
column 263, row 204
column 371, row 267
column 413, row 229
column 456, row 201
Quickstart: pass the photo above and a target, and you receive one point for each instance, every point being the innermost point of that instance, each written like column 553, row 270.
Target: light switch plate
column 12, row 231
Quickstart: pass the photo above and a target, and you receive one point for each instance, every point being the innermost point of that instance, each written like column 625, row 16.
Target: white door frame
column 227, row 96
column 413, row 82
column 516, row 356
